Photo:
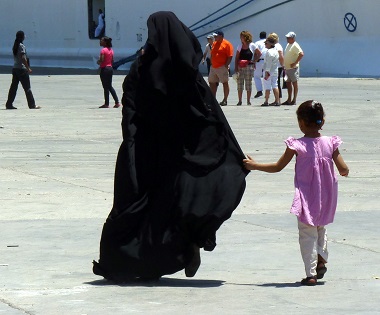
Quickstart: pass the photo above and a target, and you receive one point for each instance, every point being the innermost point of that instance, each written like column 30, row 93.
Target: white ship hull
column 339, row 37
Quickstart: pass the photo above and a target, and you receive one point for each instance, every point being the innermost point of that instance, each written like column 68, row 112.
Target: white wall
column 57, row 31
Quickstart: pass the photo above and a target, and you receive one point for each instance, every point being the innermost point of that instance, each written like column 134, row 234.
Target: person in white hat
column 292, row 56
column 207, row 52
column 270, row 71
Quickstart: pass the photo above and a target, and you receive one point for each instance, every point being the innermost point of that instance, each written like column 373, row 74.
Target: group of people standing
column 263, row 61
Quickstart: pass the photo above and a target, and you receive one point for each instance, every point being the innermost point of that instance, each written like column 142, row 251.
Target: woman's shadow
column 162, row 282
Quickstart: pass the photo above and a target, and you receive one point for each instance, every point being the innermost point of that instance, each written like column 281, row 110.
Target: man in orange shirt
column 221, row 55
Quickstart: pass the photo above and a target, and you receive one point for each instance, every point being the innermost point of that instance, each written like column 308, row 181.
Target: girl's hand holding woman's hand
column 249, row 163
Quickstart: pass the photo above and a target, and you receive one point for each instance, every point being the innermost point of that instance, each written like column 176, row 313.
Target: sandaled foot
column 309, row 281
column 258, row 94
column 275, row 104
column 321, row 270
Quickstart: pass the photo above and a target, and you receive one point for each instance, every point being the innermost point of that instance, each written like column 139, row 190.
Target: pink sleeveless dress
column 316, row 184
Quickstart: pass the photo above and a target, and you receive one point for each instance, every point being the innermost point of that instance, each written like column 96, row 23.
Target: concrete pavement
column 56, row 179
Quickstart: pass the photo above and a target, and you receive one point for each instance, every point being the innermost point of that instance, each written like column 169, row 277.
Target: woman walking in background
column 106, row 71
column 20, row 73
column 247, row 54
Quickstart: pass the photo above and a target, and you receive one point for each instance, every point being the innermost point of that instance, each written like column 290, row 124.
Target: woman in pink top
column 316, row 185
column 106, row 71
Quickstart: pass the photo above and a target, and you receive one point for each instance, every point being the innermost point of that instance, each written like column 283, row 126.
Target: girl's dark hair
column 108, row 41
column 19, row 39
column 311, row 112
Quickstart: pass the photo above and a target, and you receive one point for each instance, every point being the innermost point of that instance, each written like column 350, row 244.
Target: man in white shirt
column 258, row 73
column 292, row 56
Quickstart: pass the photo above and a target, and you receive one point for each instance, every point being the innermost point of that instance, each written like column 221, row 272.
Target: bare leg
column 295, row 88
column 226, row 91
column 290, row 91
column 276, row 95
column 267, row 93
column 213, row 88
column 249, row 97
column 240, row 95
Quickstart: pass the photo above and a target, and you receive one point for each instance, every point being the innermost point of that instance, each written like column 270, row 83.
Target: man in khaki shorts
column 221, row 55
column 292, row 56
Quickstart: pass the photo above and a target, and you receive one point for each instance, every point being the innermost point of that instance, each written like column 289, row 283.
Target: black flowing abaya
column 179, row 172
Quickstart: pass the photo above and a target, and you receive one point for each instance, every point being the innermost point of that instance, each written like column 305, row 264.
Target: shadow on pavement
column 163, row 282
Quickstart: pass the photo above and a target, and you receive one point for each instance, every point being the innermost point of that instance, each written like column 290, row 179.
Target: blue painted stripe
column 245, row 18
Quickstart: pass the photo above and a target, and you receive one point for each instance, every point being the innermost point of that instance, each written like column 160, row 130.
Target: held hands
column 249, row 163
column 344, row 172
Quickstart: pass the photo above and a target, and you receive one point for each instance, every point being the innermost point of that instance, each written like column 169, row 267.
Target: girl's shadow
column 285, row 284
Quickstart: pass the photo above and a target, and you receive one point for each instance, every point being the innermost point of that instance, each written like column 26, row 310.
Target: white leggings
column 313, row 241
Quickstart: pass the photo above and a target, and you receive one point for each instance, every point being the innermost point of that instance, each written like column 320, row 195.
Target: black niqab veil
column 179, row 172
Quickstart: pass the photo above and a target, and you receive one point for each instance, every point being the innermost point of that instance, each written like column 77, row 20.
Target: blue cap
column 217, row 33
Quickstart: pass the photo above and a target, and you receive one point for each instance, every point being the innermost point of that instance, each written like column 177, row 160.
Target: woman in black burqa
column 179, row 173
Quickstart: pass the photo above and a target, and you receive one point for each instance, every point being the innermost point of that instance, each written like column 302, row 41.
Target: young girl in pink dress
column 316, row 185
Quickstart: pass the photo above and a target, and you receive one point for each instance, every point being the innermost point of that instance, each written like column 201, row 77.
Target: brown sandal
column 310, row 281
column 321, row 269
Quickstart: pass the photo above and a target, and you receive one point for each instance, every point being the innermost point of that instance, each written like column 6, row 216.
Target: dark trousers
column 208, row 61
column 106, row 78
column 20, row 75
column 280, row 74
